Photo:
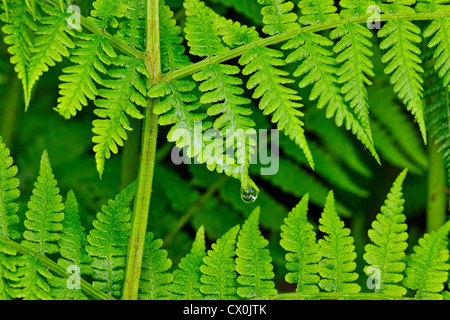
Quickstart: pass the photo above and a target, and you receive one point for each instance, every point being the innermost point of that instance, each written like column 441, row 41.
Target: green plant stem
column 56, row 268
column 437, row 196
column 147, row 163
column 193, row 209
column 231, row 54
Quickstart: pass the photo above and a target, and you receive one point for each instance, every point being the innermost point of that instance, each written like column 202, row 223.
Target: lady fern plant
column 197, row 70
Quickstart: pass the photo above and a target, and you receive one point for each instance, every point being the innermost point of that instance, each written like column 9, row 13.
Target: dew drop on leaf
column 249, row 195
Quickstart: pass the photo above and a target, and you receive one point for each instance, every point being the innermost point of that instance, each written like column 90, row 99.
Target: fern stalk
column 147, row 164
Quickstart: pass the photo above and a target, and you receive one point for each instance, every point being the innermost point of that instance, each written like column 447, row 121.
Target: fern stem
column 56, row 268
column 231, row 54
column 147, row 163
column 437, row 197
column 116, row 43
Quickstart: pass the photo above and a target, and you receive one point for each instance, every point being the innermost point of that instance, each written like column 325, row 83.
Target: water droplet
column 249, row 195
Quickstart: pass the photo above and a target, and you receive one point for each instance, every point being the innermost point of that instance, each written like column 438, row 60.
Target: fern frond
column 19, row 24
column 439, row 33
column 278, row 17
column 427, row 269
column 438, row 118
column 178, row 104
column 318, row 68
column 186, row 278
column 78, row 81
column 338, row 263
column 253, row 261
column 122, row 94
column 269, row 82
column 108, row 11
column 9, row 193
column 299, row 239
column 50, row 45
column 108, row 241
column 388, row 236
column 221, row 88
column 218, row 271
column 317, row 11
column 43, row 224
column 124, row 91
column 401, row 57
column 155, row 277
column 72, row 250
column 354, row 54
column 45, row 212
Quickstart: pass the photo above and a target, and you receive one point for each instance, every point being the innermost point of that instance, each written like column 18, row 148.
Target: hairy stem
column 147, row 163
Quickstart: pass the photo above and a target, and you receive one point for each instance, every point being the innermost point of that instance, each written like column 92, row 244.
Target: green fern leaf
column 317, row 11
column 178, row 106
column 78, row 82
column 278, row 17
column 9, row 193
column 186, row 282
column 50, row 45
column 427, row 269
column 108, row 241
column 439, row 32
column 269, row 82
column 43, row 223
column 218, row 271
column 155, row 277
column 72, row 250
column 45, row 212
column 388, row 236
column 299, row 239
column 438, row 119
column 319, row 69
column 108, row 11
column 354, row 52
column 220, row 84
column 338, row 263
column 253, row 261
column 19, row 25
column 126, row 90
column 401, row 57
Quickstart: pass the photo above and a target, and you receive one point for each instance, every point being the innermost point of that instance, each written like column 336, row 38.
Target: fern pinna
column 238, row 265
